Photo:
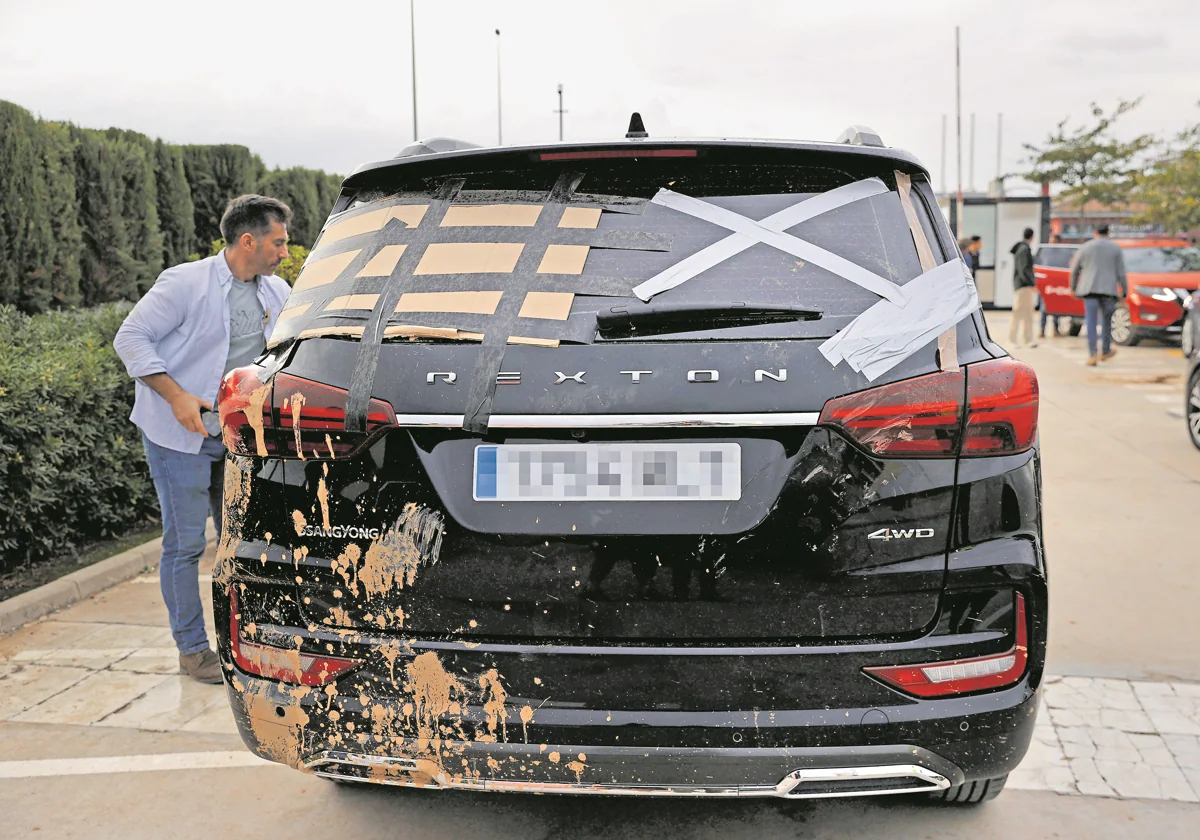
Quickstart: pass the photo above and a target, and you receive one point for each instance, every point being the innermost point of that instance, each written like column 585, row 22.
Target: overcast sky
column 328, row 84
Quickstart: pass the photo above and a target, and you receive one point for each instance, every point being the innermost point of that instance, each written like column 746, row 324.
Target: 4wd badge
column 901, row 534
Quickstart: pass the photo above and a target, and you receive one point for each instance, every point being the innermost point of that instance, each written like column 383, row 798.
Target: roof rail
column 433, row 145
column 861, row 135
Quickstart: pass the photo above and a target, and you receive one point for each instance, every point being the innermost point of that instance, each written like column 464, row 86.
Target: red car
column 1162, row 274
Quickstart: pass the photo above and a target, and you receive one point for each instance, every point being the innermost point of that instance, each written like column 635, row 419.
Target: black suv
column 636, row 468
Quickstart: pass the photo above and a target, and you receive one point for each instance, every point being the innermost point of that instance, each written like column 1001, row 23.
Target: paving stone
column 1146, row 782
column 1173, row 723
column 91, row 699
column 1088, row 780
column 1185, row 749
column 24, row 686
column 168, row 706
column 42, row 636
column 1126, row 721
column 107, row 644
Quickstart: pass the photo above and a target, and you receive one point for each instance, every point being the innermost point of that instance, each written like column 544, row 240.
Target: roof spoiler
column 861, row 135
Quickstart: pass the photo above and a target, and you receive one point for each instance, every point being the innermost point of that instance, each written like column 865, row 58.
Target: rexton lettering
column 348, row 532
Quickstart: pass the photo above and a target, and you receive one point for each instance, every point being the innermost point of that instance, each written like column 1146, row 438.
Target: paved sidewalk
column 109, row 662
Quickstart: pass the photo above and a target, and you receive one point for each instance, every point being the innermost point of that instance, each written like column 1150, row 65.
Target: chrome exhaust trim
column 822, row 783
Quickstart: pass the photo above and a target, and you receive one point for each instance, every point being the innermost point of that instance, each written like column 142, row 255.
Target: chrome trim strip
column 615, row 421
column 325, row 764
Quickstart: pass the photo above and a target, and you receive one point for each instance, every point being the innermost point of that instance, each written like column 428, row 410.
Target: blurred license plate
column 632, row 472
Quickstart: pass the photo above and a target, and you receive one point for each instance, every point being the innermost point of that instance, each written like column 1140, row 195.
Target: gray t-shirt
column 246, row 322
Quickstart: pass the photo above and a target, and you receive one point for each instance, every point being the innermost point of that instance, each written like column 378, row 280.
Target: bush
column 72, row 469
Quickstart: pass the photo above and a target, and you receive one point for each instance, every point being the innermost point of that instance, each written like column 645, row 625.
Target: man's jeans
column 189, row 487
column 1098, row 311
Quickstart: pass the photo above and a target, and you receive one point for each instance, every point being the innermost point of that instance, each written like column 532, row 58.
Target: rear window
column 1162, row 260
column 1054, row 257
column 871, row 232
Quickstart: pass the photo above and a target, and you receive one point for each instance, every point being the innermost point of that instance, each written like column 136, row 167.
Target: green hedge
column 72, row 468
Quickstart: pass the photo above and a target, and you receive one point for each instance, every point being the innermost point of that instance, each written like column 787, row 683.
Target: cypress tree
column 134, row 154
column 297, row 188
column 59, row 158
column 175, row 209
column 215, row 175
column 108, row 272
column 26, row 235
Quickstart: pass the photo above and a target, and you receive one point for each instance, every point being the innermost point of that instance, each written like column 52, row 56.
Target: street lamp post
column 412, row 29
column 560, row 111
column 499, row 101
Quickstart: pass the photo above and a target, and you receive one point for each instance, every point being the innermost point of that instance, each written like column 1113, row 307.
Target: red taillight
column 1002, row 408
column 619, row 153
column 276, row 663
column 960, row 676
column 923, row 417
column 918, row 417
column 294, row 418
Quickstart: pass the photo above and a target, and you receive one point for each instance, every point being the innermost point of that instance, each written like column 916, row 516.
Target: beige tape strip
column 293, row 312
column 948, row 340
column 533, row 342
column 469, row 258
column 353, row 302
column 384, row 262
column 555, row 306
column 319, row 331
column 492, row 215
column 411, row 331
column 580, row 217
column 470, row 303
column 563, row 259
column 410, row 214
column 320, row 272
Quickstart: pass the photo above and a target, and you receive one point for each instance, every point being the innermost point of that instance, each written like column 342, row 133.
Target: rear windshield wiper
column 657, row 318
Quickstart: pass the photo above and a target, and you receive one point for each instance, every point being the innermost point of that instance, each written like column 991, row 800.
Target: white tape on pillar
column 769, row 231
column 885, row 334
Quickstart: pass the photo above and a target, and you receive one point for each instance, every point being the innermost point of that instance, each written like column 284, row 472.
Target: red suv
column 1162, row 274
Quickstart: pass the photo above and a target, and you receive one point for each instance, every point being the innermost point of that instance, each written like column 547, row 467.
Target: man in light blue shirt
column 199, row 321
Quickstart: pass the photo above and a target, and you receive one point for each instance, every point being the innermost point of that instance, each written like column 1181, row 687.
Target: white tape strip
column 886, row 334
column 129, row 764
column 770, row 231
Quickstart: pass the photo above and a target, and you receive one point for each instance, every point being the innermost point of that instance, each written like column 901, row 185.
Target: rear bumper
column 921, row 746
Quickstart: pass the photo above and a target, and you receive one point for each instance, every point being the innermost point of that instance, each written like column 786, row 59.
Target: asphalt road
column 1122, row 485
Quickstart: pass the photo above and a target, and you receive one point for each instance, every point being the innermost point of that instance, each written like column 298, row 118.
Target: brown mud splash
column 432, row 688
column 236, row 502
column 323, row 496
column 280, row 737
column 254, row 416
column 299, row 522
column 346, row 567
column 392, row 560
column 494, row 697
column 297, row 401
column 526, row 717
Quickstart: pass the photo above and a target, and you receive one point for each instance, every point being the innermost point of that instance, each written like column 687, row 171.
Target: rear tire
column 1187, row 338
column 1122, row 326
column 1191, row 407
column 971, row 793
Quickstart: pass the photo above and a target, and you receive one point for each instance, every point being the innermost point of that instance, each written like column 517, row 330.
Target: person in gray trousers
column 1098, row 276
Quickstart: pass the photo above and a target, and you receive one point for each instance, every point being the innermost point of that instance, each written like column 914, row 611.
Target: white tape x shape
column 770, row 231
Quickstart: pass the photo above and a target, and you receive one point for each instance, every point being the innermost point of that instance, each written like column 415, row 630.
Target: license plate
column 629, row 472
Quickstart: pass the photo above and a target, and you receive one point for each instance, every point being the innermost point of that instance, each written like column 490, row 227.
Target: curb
column 80, row 584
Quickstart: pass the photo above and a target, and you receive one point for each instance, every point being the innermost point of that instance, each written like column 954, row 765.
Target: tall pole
column 999, row 141
column 499, row 102
column 412, row 28
column 958, row 128
column 971, row 157
column 560, row 113
column 943, row 178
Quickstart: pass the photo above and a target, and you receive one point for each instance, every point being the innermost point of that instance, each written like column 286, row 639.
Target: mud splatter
column 431, row 687
column 392, row 560
column 299, row 522
column 236, row 502
column 329, row 445
column 280, row 737
column 391, row 652
column 494, row 697
column 323, row 497
column 346, row 566
column 555, row 757
column 297, row 401
column 526, row 717
column 254, row 416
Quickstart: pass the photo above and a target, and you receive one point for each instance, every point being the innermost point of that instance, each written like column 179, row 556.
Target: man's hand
column 185, row 406
column 187, row 411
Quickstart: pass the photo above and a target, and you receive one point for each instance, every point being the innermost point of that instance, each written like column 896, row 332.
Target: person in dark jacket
column 1023, row 290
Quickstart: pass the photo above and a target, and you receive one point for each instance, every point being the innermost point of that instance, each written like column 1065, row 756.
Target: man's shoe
column 1104, row 357
column 203, row 667
column 1041, row 333
column 1091, row 362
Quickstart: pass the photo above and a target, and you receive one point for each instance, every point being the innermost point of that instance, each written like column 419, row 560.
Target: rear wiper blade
column 657, row 318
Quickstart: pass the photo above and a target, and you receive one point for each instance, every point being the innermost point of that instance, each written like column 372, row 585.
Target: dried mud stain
column 393, row 559
column 236, row 495
column 280, row 737
column 494, row 699
column 254, row 416
column 346, row 567
column 323, row 496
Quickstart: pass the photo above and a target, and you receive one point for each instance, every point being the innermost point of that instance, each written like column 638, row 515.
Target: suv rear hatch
column 471, row 470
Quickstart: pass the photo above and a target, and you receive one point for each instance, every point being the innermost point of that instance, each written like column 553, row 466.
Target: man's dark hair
column 976, row 238
column 1028, row 233
column 252, row 214
column 1102, row 230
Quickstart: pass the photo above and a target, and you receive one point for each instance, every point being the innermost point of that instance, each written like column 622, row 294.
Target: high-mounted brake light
column 960, row 676
column 278, row 663
column 294, row 417
column 599, row 154
column 929, row 416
